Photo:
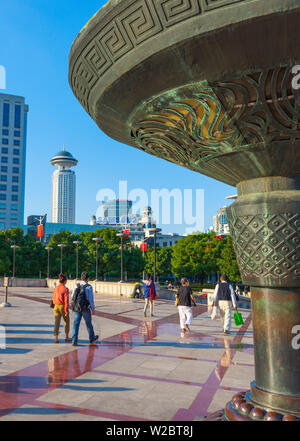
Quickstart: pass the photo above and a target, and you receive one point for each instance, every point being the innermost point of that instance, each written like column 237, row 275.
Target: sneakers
column 226, row 332
column 74, row 343
column 94, row 339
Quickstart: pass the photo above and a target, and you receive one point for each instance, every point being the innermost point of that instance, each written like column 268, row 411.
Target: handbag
column 238, row 319
column 52, row 304
column 214, row 314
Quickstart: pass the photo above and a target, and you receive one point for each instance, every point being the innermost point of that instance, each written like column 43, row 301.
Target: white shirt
column 215, row 296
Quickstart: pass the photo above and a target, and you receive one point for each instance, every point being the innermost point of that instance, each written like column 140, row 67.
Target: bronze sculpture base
column 242, row 408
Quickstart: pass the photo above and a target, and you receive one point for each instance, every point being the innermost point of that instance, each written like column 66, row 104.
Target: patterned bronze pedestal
column 208, row 85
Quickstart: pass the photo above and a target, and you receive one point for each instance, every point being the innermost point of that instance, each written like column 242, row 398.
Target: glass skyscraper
column 13, row 132
column 117, row 211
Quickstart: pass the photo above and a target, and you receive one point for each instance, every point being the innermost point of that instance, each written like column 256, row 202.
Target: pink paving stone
column 28, row 385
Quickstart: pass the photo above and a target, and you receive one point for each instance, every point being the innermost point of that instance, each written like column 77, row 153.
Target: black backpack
column 80, row 302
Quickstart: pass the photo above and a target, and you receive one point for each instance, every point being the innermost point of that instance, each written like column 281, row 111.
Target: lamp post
column 61, row 246
column 77, row 243
column 48, row 264
column 121, row 235
column 144, row 256
column 155, row 231
column 97, row 240
column 14, row 247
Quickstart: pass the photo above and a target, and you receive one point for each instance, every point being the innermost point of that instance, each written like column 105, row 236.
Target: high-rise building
column 63, row 188
column 221, row 222
column 13, row 131
column 117, row 211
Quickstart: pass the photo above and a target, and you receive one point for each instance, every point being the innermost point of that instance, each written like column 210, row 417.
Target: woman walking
column 184, row 299
column 60, row 299
column 149, row 294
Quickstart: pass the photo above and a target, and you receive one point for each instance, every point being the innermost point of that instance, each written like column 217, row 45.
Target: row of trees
column 197, row 256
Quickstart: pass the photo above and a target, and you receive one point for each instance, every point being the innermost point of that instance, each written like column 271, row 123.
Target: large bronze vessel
column 210, row 85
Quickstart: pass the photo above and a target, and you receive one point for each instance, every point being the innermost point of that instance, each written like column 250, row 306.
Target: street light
column 77, row 243
column 48, row 265
column 144, row 256
column 14, row 247
column 155, row 231
column 97, row 240
column 61, row 246
column 121, row 235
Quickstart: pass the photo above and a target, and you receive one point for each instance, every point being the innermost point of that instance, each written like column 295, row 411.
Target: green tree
column 163, row 261
column 227, row 262
column 30, row 254
column 196, row 256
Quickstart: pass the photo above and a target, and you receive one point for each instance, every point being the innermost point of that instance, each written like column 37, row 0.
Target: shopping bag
column 214, row 314
column 238, row 319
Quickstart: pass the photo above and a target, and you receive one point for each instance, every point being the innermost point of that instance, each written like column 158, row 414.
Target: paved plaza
column 141, row 369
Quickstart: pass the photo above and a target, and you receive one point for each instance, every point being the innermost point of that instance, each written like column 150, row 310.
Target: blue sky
column 36, row 37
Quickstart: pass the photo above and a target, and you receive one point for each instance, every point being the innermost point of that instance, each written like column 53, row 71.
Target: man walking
column 223, row 297
column 83, row 306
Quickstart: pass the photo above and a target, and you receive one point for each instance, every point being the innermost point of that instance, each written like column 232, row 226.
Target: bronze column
column 265, row 222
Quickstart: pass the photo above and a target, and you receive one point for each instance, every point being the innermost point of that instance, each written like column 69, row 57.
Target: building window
column 13, row 225
column 4, row 150
column 16, row 151
column 5, row 132
column 14, row 197
column 5, row 141
column 3, row 178
column 14, row 206
column 17, row 116
column 14, row 188
column 15, row 170
column 2, row 226
column 3, row 187
column 14, row 216
column 2, row 197
column 5, row 114
column 4, row 159
column 16, row 160
column 17, row 133
column 16, row 142
column 4, row 168
column 2, row 206
column 15, row 179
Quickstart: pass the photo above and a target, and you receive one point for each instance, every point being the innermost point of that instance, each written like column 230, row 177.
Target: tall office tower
column 220, row 221
column 63, row 188
column 118, row 211
column 13, row 131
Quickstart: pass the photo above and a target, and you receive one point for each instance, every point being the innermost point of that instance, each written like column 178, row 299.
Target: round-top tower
column 63, row 188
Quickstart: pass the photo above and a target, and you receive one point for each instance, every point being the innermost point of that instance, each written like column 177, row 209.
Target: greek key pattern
column 267, row 246
column 137, row 22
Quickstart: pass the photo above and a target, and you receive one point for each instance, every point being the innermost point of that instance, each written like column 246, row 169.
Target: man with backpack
column 83, row 306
